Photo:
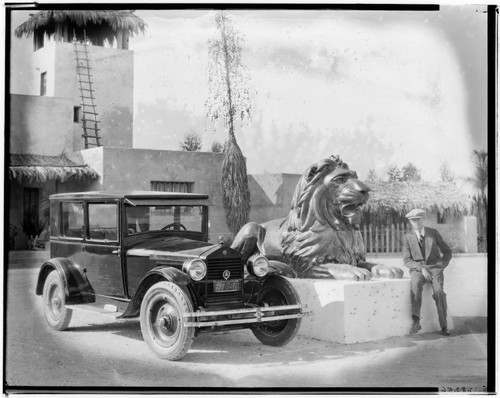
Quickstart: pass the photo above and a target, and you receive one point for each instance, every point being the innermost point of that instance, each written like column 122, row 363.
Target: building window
column 30, row 209
column 38, row 39
column 77, row 114
column 171, row 186
column 43, row 84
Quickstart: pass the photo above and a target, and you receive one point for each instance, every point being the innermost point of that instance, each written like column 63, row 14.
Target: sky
column 376, row 88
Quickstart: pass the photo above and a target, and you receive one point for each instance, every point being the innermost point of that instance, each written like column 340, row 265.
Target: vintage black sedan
column 147, row 255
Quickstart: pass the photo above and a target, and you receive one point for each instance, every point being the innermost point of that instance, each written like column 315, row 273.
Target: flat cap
column 416, row 213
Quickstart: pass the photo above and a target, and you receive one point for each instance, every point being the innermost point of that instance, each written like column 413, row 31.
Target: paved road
column 98, row 351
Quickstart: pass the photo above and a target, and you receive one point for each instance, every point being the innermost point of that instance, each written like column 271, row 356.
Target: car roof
column 129, row 195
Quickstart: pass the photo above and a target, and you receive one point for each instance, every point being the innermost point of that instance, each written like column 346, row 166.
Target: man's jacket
column 434, row 246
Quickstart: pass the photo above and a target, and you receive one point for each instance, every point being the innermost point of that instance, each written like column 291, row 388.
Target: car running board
column 107, row 309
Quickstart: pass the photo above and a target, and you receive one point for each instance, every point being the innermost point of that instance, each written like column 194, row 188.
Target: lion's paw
column 386, row 271
column 339, row 272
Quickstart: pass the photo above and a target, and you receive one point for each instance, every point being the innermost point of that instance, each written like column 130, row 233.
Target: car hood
column 175, row 246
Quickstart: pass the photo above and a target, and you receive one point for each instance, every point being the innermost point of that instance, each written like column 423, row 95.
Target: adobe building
column 71, row 120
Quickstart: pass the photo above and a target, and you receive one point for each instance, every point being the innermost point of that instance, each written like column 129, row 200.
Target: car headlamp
column 258, row 265
column 195, row 268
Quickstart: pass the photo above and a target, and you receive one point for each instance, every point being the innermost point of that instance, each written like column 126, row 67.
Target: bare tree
column 229, row 98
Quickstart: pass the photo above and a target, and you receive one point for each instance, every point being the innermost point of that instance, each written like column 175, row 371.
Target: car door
column 103, row 261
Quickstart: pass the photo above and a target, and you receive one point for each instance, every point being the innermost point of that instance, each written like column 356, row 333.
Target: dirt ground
column 98, row 352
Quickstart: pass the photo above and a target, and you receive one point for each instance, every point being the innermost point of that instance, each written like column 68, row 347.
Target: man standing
column 426, row 255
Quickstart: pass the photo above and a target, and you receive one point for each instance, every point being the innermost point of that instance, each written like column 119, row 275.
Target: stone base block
column 350, row 312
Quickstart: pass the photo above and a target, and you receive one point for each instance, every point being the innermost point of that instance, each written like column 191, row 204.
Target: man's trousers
column 417, row 286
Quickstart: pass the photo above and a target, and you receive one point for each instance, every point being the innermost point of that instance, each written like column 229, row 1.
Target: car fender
column 77, row 289
column 155, row 275
column 279, row 268
column 253, row 285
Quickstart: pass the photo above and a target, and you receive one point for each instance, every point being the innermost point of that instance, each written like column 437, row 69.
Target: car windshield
column 164, row 218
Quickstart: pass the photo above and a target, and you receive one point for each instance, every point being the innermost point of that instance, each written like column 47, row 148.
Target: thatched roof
column 40, row 168
column 404, row 196
column 98, row 24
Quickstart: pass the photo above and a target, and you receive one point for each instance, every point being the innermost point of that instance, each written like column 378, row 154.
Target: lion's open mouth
column 350, row 209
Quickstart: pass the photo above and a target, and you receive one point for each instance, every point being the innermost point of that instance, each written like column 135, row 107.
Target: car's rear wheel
column 54, row 306
column 162, row 321
column 277, row 291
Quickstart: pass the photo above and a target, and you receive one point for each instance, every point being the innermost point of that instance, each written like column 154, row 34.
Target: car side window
column 103, row 221
column 72, row 219
column 54, row 218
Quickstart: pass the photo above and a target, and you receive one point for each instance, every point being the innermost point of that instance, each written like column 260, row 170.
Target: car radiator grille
column 216, row 268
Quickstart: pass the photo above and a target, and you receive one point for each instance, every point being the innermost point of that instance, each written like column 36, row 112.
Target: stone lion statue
column 319, row 237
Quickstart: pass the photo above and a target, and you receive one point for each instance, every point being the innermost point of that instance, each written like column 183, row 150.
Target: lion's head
column 327, row 193
column 320, row 227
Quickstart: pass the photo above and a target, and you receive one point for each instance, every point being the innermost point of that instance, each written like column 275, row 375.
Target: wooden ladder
column 89, row 119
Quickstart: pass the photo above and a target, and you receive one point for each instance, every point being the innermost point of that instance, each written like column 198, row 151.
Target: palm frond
column 40, row 168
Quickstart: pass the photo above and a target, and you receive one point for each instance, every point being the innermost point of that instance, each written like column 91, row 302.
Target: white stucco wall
column 134, row 169
column 112, row 76
column 40, row 125
column 271, row 195
column 27, row 66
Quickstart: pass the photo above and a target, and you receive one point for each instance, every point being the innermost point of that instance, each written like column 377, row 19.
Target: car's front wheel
column 275, row 292
column 54, row 304
column 162, row 321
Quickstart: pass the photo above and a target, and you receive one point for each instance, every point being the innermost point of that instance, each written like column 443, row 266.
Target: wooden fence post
column 393, row 239
column 364, row 237
column 370, row 237
column 379, row 238
column 387, row 241
column 400, row 240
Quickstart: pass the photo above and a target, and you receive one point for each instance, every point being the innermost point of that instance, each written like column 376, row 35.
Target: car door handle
column 117, row 252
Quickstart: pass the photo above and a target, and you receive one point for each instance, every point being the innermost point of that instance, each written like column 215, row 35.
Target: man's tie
column 421, row 242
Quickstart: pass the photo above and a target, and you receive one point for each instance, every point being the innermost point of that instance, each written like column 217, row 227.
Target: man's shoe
column 445, row 332
column 415, row 328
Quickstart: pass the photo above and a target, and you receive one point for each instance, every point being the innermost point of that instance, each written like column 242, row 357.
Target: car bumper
column 242, row 316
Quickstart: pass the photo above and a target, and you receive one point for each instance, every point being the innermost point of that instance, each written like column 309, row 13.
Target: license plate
column 227, row 286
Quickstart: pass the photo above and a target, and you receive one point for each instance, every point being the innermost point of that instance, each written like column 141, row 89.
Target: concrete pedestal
column 350, row 312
